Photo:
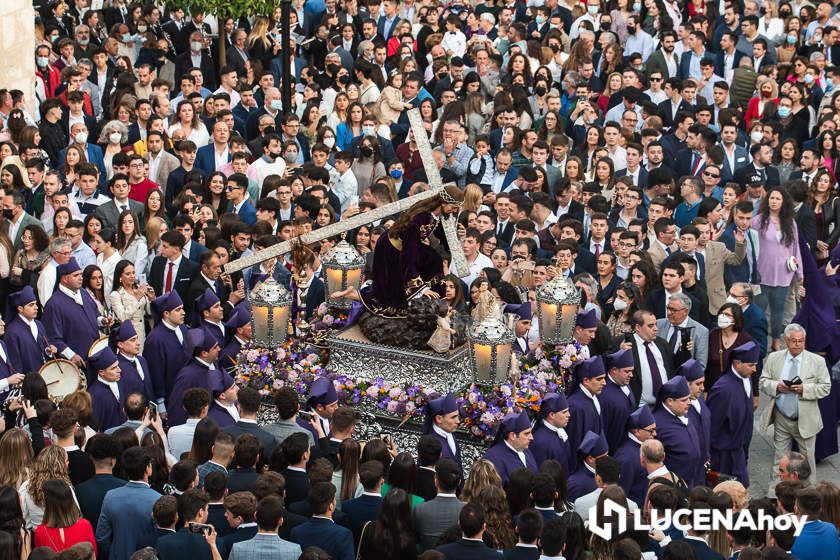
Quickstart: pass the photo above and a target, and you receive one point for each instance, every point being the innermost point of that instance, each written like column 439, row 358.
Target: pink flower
column 409, row 407
column 505, row 390
column 372, row 391
column 281, row 354
column 312, row 358
column 392, row 406
column 395, row 393
column 472, row 398
column 328, row 320
column 278, row 383
column 322, row 309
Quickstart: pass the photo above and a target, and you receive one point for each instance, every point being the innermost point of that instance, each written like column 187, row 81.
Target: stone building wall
column 17, row 48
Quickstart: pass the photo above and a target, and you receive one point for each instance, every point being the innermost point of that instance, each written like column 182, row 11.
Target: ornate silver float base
column 372, row 424
column 351, row 353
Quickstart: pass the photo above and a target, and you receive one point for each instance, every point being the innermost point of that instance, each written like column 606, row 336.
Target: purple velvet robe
column 703, row 420
column 107, row 410
column 404, row 267
column 633, row 480
column 682, row 447
column 506, row 460
column 548, row 445
column 167, row 357
column 584, row 418
column 581, row 483
column 25, row 353
column 220, row 415
column 216, row 331
column 194, row 374
column 732, row 422
column 130, row 377
column 615, row 410
column 70, row 325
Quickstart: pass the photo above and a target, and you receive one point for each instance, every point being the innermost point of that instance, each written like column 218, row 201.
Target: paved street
column 761, row 459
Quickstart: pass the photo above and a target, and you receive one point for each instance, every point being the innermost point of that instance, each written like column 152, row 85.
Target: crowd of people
column 677, row 160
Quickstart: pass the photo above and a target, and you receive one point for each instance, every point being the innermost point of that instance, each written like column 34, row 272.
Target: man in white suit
column 795, row 379
column 672, row 327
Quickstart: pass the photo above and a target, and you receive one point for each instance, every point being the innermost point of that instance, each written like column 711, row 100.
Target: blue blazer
column 205, row 157
column 361, row 510
column 94, row 156
column 126, row 518
column 247, row 213
column 336, row 540
column 742, row 158
column 182, row 544
column 817, row 540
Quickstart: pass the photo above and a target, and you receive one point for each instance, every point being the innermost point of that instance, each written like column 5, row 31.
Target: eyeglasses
column 712, row 175
column 674, row 310
column 230, row 188
column 656, row 79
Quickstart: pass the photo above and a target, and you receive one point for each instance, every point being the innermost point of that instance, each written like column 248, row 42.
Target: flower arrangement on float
column 298, row 362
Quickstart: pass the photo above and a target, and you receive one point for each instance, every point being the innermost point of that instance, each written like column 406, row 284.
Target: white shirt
column 231, row 409
column 447, row 436
column 520, row 454
column 454, row 41
column 154, row 164
column 561, row 432
column 221, row 158
column 592, row 397
column 481, row 262
column 178, row 333
column 644, row 369
column 263, row 168
column 115, row 389
column 346, row 187
column 137, row 365
column 33, row 327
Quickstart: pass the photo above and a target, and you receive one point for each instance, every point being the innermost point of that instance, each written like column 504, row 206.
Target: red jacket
column 51, row 80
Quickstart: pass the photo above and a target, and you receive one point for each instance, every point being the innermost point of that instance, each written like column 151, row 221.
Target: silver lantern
column 343, row 266
column 491, row 347
column 271, row 304
column 558, row 301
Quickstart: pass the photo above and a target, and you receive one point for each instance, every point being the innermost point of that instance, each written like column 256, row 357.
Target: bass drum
column 62, row 378
column 98, row 345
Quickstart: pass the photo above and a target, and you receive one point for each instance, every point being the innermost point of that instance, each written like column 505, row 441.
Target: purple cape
column 732, row 422
column 584, row 418
column 615, row 410
column 25, row 353
column 506, row 460
column 682, row 447
column 167, row 356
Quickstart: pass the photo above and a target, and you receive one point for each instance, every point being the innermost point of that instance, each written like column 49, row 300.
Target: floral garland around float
column 299, row 362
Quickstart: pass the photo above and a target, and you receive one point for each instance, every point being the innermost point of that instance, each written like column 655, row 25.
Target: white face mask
column 756, row 136
column 196, row 46
column 730, row 299
column 329, row 142
column 81, row 137
column 115, row 137
column 619, row 304
column 723, row 321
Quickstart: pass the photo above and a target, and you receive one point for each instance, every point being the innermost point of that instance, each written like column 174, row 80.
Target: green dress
column 414, row 498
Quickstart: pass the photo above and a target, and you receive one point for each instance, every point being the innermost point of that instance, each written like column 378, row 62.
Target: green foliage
column 233, row 8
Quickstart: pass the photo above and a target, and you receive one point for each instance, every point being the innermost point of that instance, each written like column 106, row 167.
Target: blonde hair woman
column 15, row 458
column 51, row 463
column 472, row 198
column 259, row 45
column 155, row 227
column 482, row 475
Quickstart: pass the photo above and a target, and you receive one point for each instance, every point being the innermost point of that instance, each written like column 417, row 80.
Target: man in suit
column 109, row 213
column 267, row 544
column 529, row 526
column 237, row 195
column 716, row 256
column 171, row 271
column 217, row 149
column 470, row 546
column 366, row 507
column 196, row 53
column 236, row 55
column 806, row 220
column 755, row 321
column 818, row 539
column 734, row 156
column 762, row 154
column 652, row 358
column 387, row 23
column 161, row 162
column 321, row 530
column 18, row 220
column 671, row 108
column 504, row 223
column 248, row 403
column 664, row 244
column 747, row 270
column 93, row 152
column 240, row 507
column 567, row 207
column 209, row 277
column 795, row 379
column 671, row 276
column 433, row 518
column 103, row 449
column 673, row 330
column 191, row 250
column 664, row 60
column 185, row 543
column 127, row 511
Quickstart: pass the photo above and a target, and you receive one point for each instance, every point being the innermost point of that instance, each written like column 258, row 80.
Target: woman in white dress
column 130, row 302
column 186, row 120
column 131, row 245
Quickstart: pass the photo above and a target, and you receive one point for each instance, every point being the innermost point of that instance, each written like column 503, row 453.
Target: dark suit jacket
column 667, row 360
column 426, row 484
column 184, row 62
column 109, row 213
column 225, row 544
column 267, row 440
column 665, row 112
column 736, row 58
column 806, row 222
column 333, row 538
column 702, row 550
column 181, row 545
column 468, row 550
column 91, row 492
column 656, row 63
column 743, row 175
column 157, row 276
column 359, row 511
column 655, row 303
column 522, row 552
column 234, row 59
column 198, row 286
column 205, row 157
column 297, row 485
column 643, row 178
column 682, row 164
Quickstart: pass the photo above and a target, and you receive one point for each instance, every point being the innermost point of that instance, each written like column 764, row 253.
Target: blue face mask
column 276, row 104
column 784, row 112
column 540, row 20
column 396, row 173
column 791, row 39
